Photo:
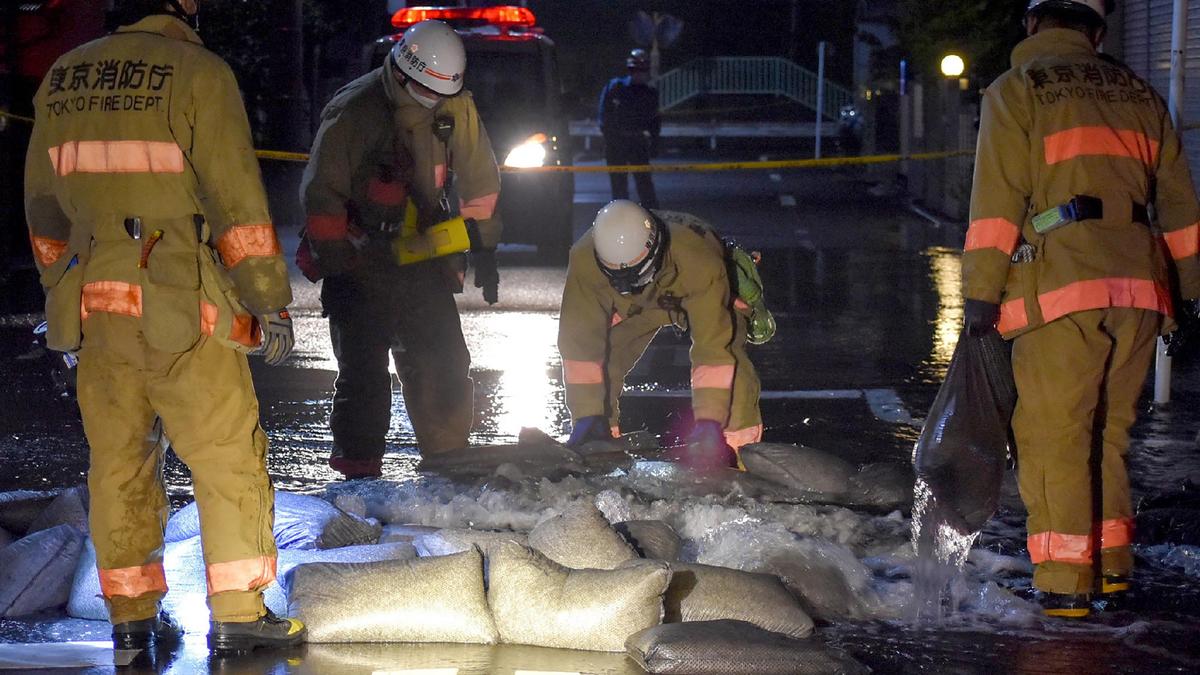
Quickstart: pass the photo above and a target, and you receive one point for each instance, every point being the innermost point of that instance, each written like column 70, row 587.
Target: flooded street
column 866, row 295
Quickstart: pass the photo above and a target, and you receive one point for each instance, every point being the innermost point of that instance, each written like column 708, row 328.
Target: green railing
column 749, row 75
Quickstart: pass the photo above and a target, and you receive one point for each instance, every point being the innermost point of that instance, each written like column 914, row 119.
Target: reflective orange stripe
column 712, row 377
column 583, row 372
column 1058, row 547
column 131, row 582
column 243, row 241
column 1101, row 293
column 439, row 175
column 1116, row 532
column 250, row 574
column 616, row 319
column 116, row 157
column 245, row 329
column 386, row 193
column 615, row 430
column 739, row 303
column 327, row 228
column 117, row 297
column 480, row 208
column 1012, row 316
column 1000, row 233
column 1184, row 243
column 1084, row 141
column 47, row 250
column 736, row 439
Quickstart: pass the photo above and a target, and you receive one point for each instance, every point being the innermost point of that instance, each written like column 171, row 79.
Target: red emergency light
column 506, row 16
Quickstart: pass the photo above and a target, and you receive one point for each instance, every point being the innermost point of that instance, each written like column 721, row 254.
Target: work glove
column 487, row 275
column 278, row 338
column 706, row 449
column 979, row 317
column 588, row 429
column 1184, row 338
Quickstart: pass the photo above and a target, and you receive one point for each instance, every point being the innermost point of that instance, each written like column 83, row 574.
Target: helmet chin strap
column 180, row 13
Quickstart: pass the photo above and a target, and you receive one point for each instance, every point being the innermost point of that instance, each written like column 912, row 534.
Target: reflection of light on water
column 945, row 268
column 523, row 348
column 941, row 553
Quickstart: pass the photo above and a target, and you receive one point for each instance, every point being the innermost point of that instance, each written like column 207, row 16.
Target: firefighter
column 629, row 120
column 147, row 217
column 632, row 273
column 1062, row 258
column 394, row 137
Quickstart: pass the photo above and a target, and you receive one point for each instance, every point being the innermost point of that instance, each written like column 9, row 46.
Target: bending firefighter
column 162, row 268
column 1062, row 257
column 400, row 151
column 632, row 273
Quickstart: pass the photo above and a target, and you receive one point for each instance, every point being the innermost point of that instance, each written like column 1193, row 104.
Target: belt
column 1081, row 207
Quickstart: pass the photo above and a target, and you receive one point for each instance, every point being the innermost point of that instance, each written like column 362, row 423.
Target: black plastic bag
column 962, row 452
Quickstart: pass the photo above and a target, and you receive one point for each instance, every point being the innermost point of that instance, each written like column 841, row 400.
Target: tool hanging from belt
column 1081, row 207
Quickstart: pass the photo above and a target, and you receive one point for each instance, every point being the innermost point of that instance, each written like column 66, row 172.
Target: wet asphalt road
column 866, row 295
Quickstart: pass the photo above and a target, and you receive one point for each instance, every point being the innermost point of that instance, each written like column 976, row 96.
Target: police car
column 512, row 72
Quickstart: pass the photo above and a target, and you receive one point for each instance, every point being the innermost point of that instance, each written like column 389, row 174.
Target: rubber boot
column 267, row 632
column 1066, row 605
column 160, row 630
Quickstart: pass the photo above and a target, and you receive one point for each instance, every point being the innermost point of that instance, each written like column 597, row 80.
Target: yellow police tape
column 283, row 156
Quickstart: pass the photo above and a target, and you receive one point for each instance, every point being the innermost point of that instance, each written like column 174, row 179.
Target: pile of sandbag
column 41, row 540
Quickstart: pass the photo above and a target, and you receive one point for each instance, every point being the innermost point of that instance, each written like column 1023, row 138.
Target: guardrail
column 749, row 75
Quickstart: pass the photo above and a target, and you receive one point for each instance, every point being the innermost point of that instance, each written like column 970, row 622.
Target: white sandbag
column 70, row 507
column 708, row 593
column 184, row 566
column 651, row 538
column 538, row 602
column 799, row 467
column 580, row 537
column 19, row 508
column 301, row 522
column 5, row 538
column 723, row 647
column 36, row 571
column 424, row 600
column 450, row 540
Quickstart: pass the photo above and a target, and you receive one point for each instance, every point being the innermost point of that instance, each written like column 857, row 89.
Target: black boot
column 160, row 630
column 1066, row 605
column 268, row 631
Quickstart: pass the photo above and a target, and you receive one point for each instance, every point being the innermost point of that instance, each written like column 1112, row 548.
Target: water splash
column 939, row 583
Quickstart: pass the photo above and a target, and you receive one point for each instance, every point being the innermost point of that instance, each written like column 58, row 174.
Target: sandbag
column 70, row 507
column 580, row 537
column 5, row 538
column 301, row 522
column 36, row 571
column 404, row 533
column 724, row 647
column 448, row 541
column 707, row 593
column 19, row 508
column 651, row 538
column 538, row 602
column 884, row 484
column 424, row 600
column 798, row 467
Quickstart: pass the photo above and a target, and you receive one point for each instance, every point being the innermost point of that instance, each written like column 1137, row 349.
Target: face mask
column 421, row 98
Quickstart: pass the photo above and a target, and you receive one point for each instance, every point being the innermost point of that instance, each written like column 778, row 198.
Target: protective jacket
column 692, row 291
column 1038, row 148
column 374, row 143
column 147, row 124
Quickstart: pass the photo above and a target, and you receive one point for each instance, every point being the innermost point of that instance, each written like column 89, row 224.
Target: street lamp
column 953, row 65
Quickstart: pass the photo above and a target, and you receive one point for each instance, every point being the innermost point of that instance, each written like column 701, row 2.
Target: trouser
column 630, row 150
column 1078, row 381
column 409, row 311
column 210, row 413
column 628, row 340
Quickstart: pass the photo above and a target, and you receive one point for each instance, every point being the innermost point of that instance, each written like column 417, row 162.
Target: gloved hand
column 587, row 429
column 706, row 449
column 979, row 317
column 1187, row 334
column 487, row 276
column 278, row 338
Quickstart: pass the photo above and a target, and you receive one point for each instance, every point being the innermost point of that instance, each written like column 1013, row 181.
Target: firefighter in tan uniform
column 1060, row 250
column 161, row 266
column 391, row 140
column 634, row 272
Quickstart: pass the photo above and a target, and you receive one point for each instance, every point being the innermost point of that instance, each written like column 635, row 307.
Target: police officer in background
column 1062, row 257
column 631, row 125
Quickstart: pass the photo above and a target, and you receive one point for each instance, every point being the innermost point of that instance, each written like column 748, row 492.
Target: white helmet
column 432, row 54
column 629, row 243
column 1100, row 8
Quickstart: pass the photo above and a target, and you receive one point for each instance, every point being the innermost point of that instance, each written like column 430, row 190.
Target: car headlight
column 528, row 154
